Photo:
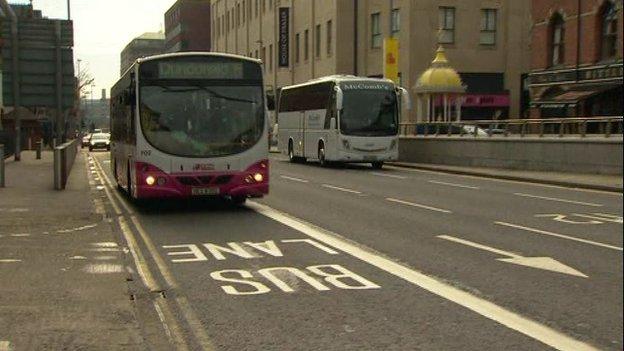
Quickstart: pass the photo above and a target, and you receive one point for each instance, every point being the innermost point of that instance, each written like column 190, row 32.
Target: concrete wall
column 595, row 155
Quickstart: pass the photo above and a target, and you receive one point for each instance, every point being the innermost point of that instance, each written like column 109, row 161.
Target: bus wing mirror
column 339, row 98
column 405, row 98
column 332, row 123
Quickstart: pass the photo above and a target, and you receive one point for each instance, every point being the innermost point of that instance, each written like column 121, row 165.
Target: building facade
column 144, row 45
column 486, row 41
column 576, row 65
column 187, row 26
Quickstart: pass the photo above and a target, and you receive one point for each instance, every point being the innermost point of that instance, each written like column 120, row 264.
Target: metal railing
column 547, row 127
column 64, row 156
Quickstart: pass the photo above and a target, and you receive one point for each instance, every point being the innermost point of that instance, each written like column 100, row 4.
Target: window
column 256, row 56
column 263, row 54
column 263, row 6
column 375, row 31
column 329, row 37
column 238, row 15
column 243, row 11
column 608, row 40
column 396, row 22
column 256, row 10
column 297, row 48
column 447, row 25
column 233, row 19
column 306, row 45
column 488, row 27
column 271, row 57
column 557, row 40
column 317, row 41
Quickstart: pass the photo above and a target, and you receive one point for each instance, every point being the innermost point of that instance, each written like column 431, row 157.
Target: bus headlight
column 346, row 144
column 258, row 177
column 150, row 180
column 161, row 181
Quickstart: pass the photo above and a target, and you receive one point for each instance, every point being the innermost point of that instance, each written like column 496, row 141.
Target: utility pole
column 391, row 34
column 15, row 76
column 68, row 10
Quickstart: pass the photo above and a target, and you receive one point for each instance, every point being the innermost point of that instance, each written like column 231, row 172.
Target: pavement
column 604, row 182
column 63, row 276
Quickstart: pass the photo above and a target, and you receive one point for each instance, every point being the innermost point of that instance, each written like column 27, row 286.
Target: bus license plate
column 204, row 191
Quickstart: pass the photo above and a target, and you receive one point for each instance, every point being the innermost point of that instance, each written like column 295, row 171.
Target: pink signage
column 486, row 100
column 481, row 100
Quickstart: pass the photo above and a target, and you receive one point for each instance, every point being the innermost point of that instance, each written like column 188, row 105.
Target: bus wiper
column 214, row 93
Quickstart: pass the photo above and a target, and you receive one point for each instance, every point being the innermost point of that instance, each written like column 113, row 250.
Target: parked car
column 455, row 129
column 86, row 139
column 99, row 141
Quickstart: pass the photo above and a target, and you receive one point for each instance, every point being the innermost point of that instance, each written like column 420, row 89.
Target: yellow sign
column 391, row 59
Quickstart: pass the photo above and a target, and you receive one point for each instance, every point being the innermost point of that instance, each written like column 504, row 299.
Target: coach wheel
column 291, row 152
column 377, row 165
column 321, row 155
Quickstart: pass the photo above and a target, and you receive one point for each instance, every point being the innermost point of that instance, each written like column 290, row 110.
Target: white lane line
column 418, row 205
column 562, row 236
column 341, row 189
column 454, row 184
column 9, row 261
column 388, row 175
column 483, row 307
column 295, row 179
column 5, row 346
column 559, row 200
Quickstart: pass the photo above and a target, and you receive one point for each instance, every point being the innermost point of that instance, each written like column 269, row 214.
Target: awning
column 572, row 96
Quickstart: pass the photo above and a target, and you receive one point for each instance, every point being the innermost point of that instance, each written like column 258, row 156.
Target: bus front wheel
column 377, row 165
column 291, row 152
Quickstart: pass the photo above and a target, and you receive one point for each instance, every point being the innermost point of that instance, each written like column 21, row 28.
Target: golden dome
column 440, row 77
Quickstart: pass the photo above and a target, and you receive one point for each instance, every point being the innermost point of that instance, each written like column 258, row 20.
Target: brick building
column 187, row 26
column 576, row 66
column 486, row 41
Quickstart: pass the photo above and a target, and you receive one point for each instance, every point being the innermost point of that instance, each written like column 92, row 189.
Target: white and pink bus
column 191, row 124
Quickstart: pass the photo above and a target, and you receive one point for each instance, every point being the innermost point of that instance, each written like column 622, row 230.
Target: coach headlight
column 258, row 177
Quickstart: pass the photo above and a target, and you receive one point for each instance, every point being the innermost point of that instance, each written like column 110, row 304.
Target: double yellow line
column 170, row 323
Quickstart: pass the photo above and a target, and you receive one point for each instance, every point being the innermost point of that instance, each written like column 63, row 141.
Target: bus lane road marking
column 562, row 236
column 418, row 205
column 240, row 281
column 585, row 218
column 512, row 320
column 546, row 263
column 558, row 200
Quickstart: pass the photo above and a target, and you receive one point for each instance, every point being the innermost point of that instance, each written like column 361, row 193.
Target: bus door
column 300, row 147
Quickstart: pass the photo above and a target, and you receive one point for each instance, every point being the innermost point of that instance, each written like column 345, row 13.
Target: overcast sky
column 102, row 28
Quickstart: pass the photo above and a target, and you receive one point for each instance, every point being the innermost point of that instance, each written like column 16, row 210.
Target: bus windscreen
column 192, row 109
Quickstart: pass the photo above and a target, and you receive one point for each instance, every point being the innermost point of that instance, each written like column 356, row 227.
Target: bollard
column 39, row 147
column 1, row 165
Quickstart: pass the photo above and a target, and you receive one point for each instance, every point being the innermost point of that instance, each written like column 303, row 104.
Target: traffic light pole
column 15, row 78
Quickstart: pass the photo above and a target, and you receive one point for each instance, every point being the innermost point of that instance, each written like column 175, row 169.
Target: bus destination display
column 200, row 70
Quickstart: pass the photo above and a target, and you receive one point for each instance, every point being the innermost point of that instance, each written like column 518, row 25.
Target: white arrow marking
column 545, row 263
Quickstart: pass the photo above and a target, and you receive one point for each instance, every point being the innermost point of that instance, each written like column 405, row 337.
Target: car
column 99, row 141
column 86, row 139
column 455, row 129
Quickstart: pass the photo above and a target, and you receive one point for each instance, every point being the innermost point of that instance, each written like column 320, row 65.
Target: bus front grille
column 188, row 180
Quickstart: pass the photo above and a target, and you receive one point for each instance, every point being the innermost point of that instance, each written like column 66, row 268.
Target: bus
column 190, row 124
column 341, row 118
